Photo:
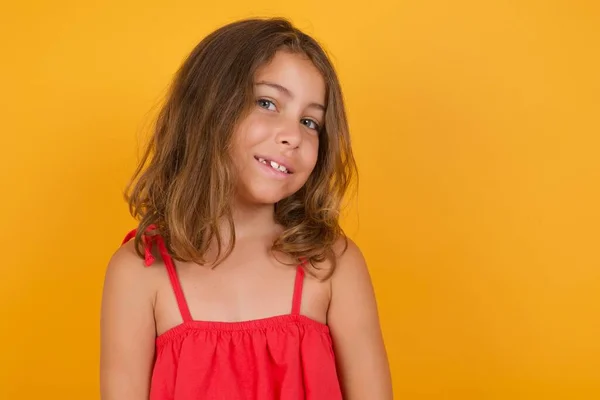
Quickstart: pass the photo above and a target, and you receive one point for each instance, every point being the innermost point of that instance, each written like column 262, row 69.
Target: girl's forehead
column 293, row 74
column 284, row 61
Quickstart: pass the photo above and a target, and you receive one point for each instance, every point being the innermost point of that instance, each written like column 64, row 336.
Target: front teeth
column 274, row 165
column 278, row 167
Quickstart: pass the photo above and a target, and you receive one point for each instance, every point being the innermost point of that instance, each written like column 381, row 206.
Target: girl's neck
column 252, row 220
column 254, row 225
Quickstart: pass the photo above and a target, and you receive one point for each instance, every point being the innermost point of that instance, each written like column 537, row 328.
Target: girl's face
column 275, row 147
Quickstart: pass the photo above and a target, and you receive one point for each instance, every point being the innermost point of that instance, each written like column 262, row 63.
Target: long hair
column 184, row 182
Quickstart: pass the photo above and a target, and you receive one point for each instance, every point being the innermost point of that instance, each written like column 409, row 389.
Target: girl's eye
column 267, row 104
column 310, row 124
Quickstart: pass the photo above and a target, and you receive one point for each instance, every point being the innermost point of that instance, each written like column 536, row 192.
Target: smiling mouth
column 273, row 165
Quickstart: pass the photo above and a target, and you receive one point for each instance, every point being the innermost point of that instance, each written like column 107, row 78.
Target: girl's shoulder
column 127, row 271
column 350, row 264
column 126, row 257
column 349, row 259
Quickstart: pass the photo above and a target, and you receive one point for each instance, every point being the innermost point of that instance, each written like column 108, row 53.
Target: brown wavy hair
column 184, row 183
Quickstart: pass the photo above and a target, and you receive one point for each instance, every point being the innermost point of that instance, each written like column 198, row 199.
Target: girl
column 238, row 282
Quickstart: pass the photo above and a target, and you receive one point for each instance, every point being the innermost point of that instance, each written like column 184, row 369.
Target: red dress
column 285, row 357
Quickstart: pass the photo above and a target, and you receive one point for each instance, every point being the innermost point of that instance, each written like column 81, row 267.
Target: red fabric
column 286, row 357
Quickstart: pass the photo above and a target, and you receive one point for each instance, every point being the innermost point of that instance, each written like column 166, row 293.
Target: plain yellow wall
column 476, row 129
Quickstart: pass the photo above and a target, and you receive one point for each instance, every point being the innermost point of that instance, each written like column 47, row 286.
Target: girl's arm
column 354, row 323
column 127, row 329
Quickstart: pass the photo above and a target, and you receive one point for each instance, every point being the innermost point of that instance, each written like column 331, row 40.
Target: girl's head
column 254, row 117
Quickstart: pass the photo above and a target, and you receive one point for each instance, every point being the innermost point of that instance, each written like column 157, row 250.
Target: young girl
column 238, row 282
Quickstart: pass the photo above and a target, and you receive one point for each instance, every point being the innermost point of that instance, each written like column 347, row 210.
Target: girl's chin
column 257, row 200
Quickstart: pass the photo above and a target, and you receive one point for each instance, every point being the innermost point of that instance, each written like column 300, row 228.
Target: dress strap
column 170, row 266
column 297, row 298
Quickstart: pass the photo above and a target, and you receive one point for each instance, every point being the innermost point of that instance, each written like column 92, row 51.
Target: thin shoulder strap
column 297, row 298
column 170, row 266
column 181, row 302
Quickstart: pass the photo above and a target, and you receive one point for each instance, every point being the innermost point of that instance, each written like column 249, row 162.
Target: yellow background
column 476, row 129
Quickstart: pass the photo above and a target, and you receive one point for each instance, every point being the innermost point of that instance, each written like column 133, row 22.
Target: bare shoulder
column 126, row 271
column 351, row 281
column 125, row 262
column 350, row 269
column 125, row 257
column 350, row 263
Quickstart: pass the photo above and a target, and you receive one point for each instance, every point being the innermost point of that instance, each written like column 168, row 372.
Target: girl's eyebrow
column 287, row 92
